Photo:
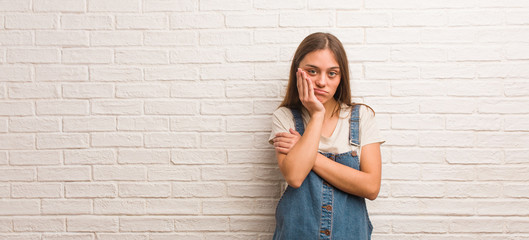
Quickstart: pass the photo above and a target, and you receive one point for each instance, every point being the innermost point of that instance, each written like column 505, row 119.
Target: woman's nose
column 320, row 81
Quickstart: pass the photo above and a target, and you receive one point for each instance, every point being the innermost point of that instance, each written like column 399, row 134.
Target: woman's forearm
column 299, row 161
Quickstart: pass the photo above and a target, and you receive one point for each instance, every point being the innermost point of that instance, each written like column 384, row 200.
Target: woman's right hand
column 306, row 93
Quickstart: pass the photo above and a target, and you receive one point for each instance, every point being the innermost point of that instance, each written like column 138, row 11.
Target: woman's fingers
column 299, row 83
column 282, row 150
column 305, row 86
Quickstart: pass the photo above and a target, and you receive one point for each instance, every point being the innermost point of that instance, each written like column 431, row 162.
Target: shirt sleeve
column 369, row 132
column 282, row 121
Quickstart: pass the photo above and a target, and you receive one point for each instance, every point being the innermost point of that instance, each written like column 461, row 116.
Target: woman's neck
column 330, row 107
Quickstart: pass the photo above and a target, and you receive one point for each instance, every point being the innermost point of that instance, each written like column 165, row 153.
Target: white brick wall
column 148, row 119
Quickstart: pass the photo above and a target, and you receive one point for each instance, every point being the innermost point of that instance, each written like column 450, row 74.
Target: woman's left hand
column 284, row 141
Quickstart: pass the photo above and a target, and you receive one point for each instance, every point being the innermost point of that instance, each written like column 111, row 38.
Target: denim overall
column 317, row 210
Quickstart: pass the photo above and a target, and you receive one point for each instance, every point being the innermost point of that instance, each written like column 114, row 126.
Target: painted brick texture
column 148, row 119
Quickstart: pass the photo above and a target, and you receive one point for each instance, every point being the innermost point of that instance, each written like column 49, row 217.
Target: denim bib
column 317, row 210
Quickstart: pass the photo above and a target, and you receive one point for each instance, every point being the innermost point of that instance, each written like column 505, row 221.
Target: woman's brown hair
column 314, row 42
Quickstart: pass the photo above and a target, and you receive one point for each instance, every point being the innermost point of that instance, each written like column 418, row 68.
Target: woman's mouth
column 319, row 92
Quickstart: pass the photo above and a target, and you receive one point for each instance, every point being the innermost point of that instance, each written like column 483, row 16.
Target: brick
column 362, row 19
column 87, row 55
column 61, row 73
column 253, row 190
column 447, row 106
column 448, row 35
column 86, row 22
column 448, row 173
column 22, row 236
column 298, row 19
column 226, row 107
column 231, row 206
column 172, row 38
column 198, row 157
column 119, row 173
column 516, row 123
column 261, row 89
column 173, row 107
column 144, row 190
column 146, row 224
column 422, row 225
column 432, row 18
column 36, row 190
column 200, row 55
column 400, row 106
column 476, row 225
column 32, row 124
column 113, row 74
column 517, row 226
column 502, row 106
column 446, row 139
column 34, row 158
column 212, row 5
column 142, row 91
column 240, row 236
column 516, row 17
column 198, row 189
column 3, row 158
column 516, row 156
column 59, row 6
column 265, row 106
column 258, row 19
column 474, row 18
column 417, row 122
column 173, row 207
column 17, row 141
column 143, row 123
column 173, row 173
column 227, row 173
column 175, row 72
column 369, row 54
column 141, row 56
column 417, row 190
column 438, row 207
column 252, row 156
column 252, row 224
column 117, row 236
column 62, row 107
column 115, row 38
column 68, row 236
column 208, row 89
column 258, row 54
column 467, row 88
column 117, row 107
column 502, row 173
column 516, row 51
column 243, row 124
column 116, row 140
column 473, row 190
column 475, row 54
column 28, row 91
column 225, row 38
column 93, row 224
column 227, row 71
column 503, row 70
column 279, row 36
column 452, row 71
column 171, row 140
column 469, row 156
column 90, row 124
column 62, row 140
column 18, row 174
column 393, row 35
column 269, row 174
column 201, row 223
column 15, row 74
column 419, row 54
column 228, row 140
column 143, row 156
column 39, row 224
column 114, row 6
column 89, row 157
column 87, row 91
column 401, row 138
column 417, row 155
column 144, row 21
column 483, row 122
column 66, row 206
column 19, row 207
column 33, row 55
column 31, row 21
column 15, row 6
column 9, row 38
column 119, row 206
column 390, row 71
column 76, row 173
column 197, row 20
column 199, row 124
column 401, row 172
column 169, row 5
column 90, row 190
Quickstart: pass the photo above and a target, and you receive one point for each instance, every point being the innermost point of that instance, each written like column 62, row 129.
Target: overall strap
column 354, row 138
column 298, row 120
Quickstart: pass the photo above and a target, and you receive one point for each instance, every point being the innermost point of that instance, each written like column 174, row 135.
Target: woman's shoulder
column 283, row 113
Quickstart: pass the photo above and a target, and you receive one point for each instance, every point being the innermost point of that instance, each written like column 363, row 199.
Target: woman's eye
column 333, row 74
column 311, row 71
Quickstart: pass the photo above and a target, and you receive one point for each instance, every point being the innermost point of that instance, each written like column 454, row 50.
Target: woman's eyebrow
column 313, row 66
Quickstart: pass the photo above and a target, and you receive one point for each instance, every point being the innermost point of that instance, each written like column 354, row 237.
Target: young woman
column 327, row 148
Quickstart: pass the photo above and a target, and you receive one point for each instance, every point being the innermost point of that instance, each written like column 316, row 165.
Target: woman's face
column 324, row 71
